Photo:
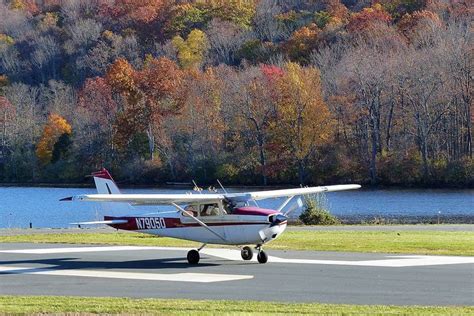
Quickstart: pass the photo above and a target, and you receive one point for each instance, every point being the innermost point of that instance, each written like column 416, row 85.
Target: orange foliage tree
column 150, row 94
column 121, row 77
column 411, row 25
column 144, row 11
column 304, row 122
column 368, row 19
column 160, row 83
column 302, row 42
column 55, row 128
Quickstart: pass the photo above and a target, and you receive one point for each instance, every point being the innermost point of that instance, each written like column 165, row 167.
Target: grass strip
column 406, row 242
column 96, row 305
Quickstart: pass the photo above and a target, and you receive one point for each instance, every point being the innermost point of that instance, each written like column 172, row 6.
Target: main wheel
column 246, row 253
column 193, row 256
column 262, row 257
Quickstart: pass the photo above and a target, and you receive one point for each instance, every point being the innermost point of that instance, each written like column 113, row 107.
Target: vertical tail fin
column 106, row 185
column 104, row 182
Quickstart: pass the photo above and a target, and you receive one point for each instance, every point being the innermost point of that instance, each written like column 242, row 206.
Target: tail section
column 104, row 182
column 106, row 185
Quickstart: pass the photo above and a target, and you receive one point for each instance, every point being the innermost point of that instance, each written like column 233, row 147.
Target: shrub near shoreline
column 316, row 211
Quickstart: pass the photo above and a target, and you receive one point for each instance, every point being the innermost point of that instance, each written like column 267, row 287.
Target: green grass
column 62, row 304
column 407, row 242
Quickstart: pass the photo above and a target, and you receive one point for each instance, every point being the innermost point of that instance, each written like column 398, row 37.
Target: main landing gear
column 247, row 254
column 193, row 255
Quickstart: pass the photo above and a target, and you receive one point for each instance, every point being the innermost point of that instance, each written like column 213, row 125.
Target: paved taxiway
column 327, row 277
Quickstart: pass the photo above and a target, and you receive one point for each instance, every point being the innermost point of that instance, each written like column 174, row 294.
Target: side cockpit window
column 209, row 210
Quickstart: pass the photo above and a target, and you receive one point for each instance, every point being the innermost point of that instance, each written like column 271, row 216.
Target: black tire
column 246, row 253
column 193, row 256
column 262, row 257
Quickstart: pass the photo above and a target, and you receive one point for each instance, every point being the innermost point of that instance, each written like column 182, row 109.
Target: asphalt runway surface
column 289, row 276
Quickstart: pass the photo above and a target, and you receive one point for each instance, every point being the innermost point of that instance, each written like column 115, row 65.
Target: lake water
column 20, row 206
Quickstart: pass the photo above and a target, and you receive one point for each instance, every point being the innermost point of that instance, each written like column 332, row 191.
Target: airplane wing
column 149, row 199
column 261, row 195
column 163, row 199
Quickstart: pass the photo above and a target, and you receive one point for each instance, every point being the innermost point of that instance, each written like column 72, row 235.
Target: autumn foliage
column 252, row 92
column 96, row 96
column 368, row 19
column 55, row 128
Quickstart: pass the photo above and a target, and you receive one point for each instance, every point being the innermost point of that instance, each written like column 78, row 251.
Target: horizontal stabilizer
column 111, row 222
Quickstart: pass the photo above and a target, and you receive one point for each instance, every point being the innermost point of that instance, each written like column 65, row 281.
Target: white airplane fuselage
column 248, row 225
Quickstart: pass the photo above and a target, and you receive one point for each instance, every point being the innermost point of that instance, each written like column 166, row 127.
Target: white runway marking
column 390, row 262
column 234, row 255
column 85, row 249
column 174, row 277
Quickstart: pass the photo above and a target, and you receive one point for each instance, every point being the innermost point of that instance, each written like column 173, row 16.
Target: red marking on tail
column 103, row 173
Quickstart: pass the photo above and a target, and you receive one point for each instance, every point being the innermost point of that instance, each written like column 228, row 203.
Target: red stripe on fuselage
column 251, row 210
column 155, row 222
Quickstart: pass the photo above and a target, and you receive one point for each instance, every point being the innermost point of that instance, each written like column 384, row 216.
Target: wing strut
column 282, row 206
column 299, row 204
column 198, row 221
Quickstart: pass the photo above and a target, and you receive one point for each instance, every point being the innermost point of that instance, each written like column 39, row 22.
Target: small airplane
column 217, row 218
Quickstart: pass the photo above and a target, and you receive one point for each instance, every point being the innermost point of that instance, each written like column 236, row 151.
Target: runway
column 301, row 276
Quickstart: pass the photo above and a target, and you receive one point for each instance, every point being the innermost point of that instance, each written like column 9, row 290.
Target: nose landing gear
column 262, row 256
column 193, row 255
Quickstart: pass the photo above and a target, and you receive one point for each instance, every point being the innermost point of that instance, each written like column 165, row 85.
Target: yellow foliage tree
column 17, row 5
column 120, row 76
column 192, row 50
column 53, row 130
column 304, row 121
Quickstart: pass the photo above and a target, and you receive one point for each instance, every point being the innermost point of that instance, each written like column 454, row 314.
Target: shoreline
column 106, row 229
column 365, row 186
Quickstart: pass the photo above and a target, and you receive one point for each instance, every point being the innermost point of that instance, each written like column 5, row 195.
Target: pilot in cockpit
column 190, row 210
column 209, row 210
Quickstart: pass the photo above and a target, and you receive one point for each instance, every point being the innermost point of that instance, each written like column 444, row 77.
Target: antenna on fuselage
column 196, row 187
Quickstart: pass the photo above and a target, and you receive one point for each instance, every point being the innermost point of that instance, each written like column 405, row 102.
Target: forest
column 250, row 92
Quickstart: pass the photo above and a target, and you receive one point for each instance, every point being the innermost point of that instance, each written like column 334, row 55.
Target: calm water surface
column 20, row 206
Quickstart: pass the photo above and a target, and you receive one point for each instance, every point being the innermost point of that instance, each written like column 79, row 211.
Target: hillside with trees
column 249, row 92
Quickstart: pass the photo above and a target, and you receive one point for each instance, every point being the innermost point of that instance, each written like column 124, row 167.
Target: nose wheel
column 262, row 256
